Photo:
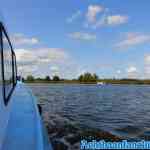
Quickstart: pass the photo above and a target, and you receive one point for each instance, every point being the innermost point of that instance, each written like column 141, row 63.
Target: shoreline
column 84, row 83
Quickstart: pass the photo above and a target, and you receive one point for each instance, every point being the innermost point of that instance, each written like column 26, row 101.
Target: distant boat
column 100, row 83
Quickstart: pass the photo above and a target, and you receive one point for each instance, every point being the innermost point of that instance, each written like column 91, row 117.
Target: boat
column 100, row 83
column 21, row 125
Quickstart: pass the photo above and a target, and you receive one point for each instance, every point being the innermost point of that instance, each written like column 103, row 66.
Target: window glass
column 8, row 75
column 15, row 70
column 1, row 79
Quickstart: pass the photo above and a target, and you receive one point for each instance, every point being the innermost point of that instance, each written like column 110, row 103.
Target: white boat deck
column 25, row 128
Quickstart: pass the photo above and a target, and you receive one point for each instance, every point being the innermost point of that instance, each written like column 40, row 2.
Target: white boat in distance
column 101, row 83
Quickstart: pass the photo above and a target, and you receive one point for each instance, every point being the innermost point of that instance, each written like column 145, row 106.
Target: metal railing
column 7, row 85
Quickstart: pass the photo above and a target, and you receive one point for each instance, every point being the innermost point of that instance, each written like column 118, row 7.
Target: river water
column 110, row 112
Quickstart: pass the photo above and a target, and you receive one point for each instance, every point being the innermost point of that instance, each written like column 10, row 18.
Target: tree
column 47, row 78
column 56, row 78
column 23, row 79
column 30, row 78
column 95, row 76
column 39, row 79
column 80, row 78
column 88, row 77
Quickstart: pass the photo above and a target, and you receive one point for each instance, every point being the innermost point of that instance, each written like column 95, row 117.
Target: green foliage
column 95, row 76
column 39, row 79
column 30, row 78
column 47, row 78
column 88, row 77
column 80, row 78
column 56, row 78
column 23, row 79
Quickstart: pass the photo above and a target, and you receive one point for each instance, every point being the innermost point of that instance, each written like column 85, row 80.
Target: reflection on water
column 109, row 112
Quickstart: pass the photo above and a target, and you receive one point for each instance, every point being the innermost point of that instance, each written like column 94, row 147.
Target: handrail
column 14, row 64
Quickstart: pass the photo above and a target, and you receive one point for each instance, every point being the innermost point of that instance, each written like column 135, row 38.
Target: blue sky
column 67, row 38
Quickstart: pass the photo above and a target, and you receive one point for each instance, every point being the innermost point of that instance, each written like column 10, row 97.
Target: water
column 109, row 111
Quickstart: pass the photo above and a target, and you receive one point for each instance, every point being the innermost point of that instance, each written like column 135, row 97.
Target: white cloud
column 118, row 71
column 46, row 61
column 132, row 39
column 41, row 55
column 118, row 74
column 102, row 21
column 93, row 11
column 116, row 19
column 147, row 66
column 132, row 72
column 81, row 71
column 27, row 70
column 147, row 59
column 20, row 39
column 34, row 60
column 110, row 20
column 98, row 16
column 131, row 69
column 55, row 70
column 24, row 56
column 82, row 36
column 76, row 15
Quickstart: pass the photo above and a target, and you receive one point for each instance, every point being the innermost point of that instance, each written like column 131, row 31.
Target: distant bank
column 105, row 81
column 86, row 78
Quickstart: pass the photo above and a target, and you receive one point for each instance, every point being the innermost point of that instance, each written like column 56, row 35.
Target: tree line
column 47, row 78
column 85, row 78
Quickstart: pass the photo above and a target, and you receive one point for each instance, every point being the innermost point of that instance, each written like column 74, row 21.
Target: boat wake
column 65, row 135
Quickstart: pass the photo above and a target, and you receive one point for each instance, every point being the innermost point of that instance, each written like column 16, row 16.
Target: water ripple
column 123, row 110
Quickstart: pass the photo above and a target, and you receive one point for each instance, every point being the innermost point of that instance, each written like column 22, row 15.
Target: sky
column 69, row 37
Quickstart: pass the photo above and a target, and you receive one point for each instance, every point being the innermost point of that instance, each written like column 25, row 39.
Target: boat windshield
column 9, row 71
